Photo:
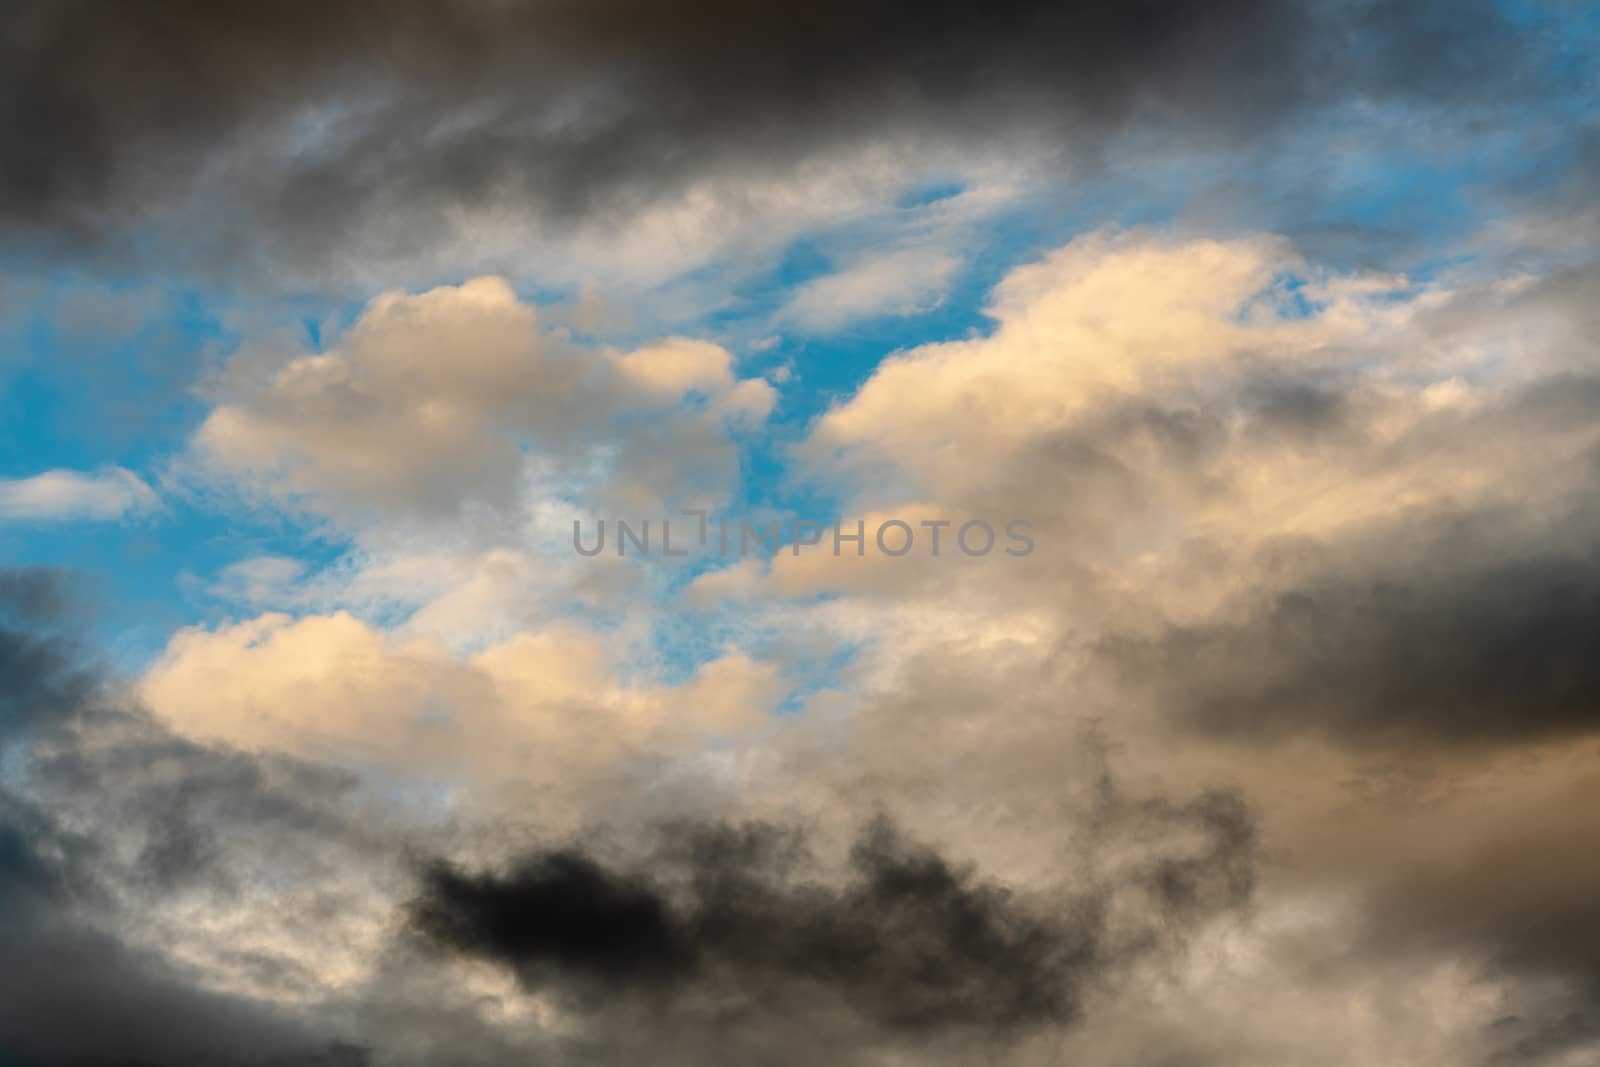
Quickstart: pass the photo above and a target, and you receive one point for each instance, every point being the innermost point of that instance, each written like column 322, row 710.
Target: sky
column 877, row 533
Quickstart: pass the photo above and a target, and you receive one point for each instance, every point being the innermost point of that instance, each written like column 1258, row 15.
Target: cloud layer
column 311, row 128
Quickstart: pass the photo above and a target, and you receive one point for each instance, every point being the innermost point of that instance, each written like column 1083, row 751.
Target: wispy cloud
column 900, row 283
column 108, row 495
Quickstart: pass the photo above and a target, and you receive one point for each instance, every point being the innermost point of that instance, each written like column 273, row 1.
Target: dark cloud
column 1521, row 890
column 1508, row 893
column 25, row 877
column 73, row 993
column 35, row 596
column 40, row 679
column 1494, row 652
column 1552, row 209
column 1444, row 619
column 73, row 988
column 69, row 995
column 1544, row 1038
column 320, row 115
column 909, row 941
column 740, row 922
column 42, row 672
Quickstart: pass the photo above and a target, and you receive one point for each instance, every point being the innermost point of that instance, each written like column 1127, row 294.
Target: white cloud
column 1109, row 318
column 108, row 495
column 678, row 366
column 900, row 283
column 436, row 403
column 260, row 580
column 541, row 705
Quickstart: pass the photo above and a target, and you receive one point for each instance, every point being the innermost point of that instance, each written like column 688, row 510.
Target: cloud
column 262, row 580
column 1180, row 419
column 1517, row 890
column 109, row 495
column 42, row 678
column 34, row 595
column 1485, row 652
column 45, row 674
column 541, row 706
column 98, row 809
column 467, row 114
column 899, row 283
column 730, row 924
column 430, row 405
column 909, row 941
column 677, row 367
column 1107, row 316
column 1323, row 537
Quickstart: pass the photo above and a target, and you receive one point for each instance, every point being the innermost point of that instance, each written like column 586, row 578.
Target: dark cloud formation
column 43, row 671
column 1521, row 891
column 319, row 115
column 71, row 995
column 909, row 941
column 1468, row 629
column 72, row 991
column 1454, row 616
column 1487, row 652
column 737, row 924
column 1512, row 895
column 35, row 596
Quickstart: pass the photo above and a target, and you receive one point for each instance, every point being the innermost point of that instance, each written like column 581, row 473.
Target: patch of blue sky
column 98, row 373
column 150, row 575
column 925, row 193
column 679, row 639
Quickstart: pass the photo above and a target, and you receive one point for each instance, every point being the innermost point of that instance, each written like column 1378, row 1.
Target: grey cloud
column 1426, row 608
column 72, row 993
column 34, row 596
column 75, row 987
column 1466, row 630
column 1520, row 891
column 736, row 930
column 911, row 942
column 1509, row 893
column 73, row 996
column 1500, row 653
column 333, row 114
column 41, row 676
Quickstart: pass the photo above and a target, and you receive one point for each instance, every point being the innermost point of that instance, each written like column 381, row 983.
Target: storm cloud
column 737, row 923
column 317, row 119
column 1496, row 654
column 101, row 812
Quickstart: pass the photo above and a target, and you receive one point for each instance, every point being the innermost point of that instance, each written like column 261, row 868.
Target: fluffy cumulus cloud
column 540, row 704
column 1157, row 618
column 431, row 403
